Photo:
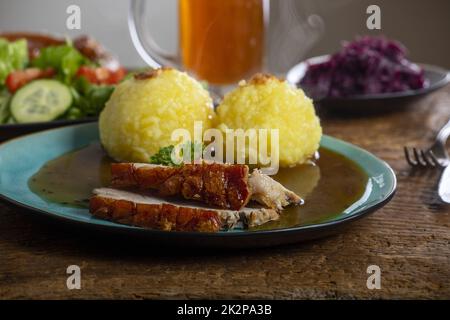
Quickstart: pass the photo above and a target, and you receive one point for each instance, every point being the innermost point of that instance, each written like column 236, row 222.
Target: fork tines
column 420, row 158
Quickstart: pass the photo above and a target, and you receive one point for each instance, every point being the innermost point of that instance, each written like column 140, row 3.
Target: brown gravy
column 329, row 187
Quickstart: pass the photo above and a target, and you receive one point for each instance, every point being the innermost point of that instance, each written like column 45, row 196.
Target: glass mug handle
column 143, row 41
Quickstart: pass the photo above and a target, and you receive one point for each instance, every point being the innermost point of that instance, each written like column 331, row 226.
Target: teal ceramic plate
column 12, row 130
column 22, row 157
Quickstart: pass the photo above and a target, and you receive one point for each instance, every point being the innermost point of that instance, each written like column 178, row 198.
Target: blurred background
column 423, row 26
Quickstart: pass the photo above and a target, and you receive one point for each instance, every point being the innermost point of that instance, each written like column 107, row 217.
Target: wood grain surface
column 409, row 239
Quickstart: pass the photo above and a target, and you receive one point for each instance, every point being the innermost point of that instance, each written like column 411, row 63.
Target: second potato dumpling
column 268, row 102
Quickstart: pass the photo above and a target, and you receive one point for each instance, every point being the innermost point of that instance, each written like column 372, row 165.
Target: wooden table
column 409, row 240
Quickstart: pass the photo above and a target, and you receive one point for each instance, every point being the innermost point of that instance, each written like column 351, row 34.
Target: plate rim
column 359, row 213
column 293, row 74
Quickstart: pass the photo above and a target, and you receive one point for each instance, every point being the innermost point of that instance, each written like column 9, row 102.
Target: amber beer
column 222, row 41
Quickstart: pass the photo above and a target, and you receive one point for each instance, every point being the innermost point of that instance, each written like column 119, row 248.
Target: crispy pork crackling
column 146, row 210
column 227, row 186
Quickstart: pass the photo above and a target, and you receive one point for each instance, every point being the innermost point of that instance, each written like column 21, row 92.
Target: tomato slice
column 101, row 75
column 17, row 79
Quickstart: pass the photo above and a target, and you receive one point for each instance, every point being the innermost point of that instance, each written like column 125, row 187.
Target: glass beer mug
column 219, row 41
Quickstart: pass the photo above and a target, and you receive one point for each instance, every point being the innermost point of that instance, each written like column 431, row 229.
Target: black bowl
column 437, row 78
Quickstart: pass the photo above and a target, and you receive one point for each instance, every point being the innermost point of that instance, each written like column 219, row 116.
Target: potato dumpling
column 143, row 111
column 267, row 102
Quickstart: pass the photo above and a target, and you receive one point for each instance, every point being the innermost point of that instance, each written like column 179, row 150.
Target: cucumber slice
column 40, row 101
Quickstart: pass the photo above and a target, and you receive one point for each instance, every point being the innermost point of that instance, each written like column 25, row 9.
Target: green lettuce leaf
column 65, row 59
column 13, row 56
column 89, row 99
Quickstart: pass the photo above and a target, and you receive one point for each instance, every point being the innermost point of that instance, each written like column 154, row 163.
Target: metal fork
column 435, row 156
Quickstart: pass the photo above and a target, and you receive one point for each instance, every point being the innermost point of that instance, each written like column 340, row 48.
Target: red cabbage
column 368, row 65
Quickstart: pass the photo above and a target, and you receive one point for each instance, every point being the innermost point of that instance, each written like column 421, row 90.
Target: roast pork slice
column 271, row 193
column 226, row 186
column 221, row 185
column 144, row 209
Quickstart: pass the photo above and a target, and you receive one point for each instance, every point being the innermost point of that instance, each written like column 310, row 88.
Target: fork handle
column 444, row 133
column 444, row 185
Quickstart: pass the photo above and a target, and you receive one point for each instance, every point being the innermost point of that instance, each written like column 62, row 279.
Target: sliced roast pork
column 146, row 210
column 271, row 193
column 227, row 186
